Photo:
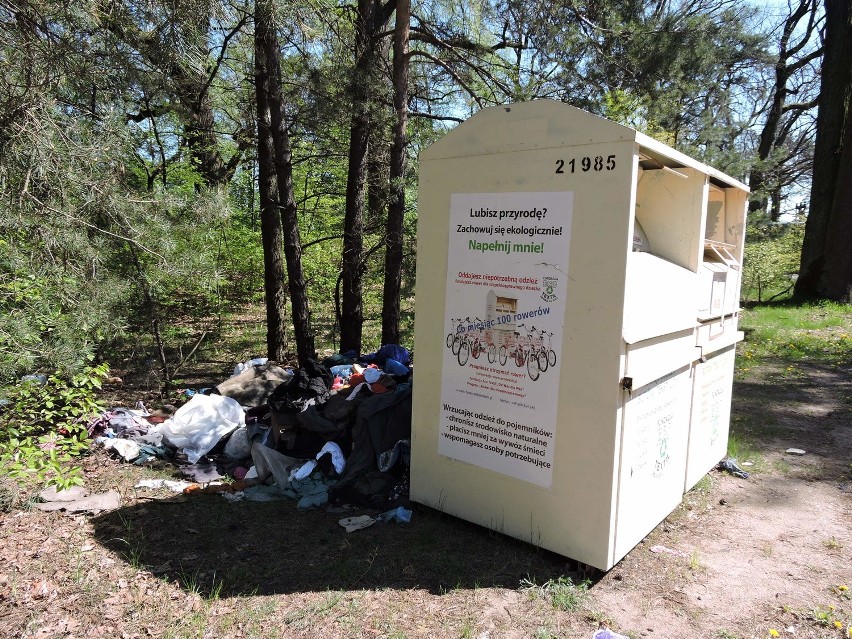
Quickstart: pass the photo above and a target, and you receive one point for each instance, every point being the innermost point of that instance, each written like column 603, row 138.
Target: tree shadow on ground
column 218, row 548
column 800, row 405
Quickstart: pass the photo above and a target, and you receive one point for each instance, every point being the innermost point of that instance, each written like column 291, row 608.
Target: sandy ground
column 771, row 552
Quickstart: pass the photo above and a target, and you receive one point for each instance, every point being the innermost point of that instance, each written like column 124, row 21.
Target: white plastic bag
column 257, row 361
column 238, row 445
column 198, row 425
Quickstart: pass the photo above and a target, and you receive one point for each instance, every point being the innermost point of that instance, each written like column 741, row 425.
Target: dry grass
column 200, row 566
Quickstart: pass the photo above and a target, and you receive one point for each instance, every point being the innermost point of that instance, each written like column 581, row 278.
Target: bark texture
column 826, row 266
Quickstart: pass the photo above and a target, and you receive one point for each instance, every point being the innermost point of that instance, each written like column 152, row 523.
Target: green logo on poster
column 549, row 284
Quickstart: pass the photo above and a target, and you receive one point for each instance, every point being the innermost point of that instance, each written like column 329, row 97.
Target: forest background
column 167, row 165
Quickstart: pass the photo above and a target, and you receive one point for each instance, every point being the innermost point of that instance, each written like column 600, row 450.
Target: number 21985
column 585, row 164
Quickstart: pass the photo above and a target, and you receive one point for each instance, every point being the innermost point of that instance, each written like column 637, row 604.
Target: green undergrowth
column 44, row 426
column 791, row 334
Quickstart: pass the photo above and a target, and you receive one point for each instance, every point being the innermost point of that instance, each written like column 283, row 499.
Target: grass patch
column 816, row 333
column 833, row 544
column 742, row 445
column 562, row 593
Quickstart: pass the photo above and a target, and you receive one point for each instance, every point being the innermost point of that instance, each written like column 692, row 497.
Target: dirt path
column 762, row 553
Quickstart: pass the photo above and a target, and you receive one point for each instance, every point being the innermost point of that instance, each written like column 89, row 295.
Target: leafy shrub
column 772, row 255
column 44, row 426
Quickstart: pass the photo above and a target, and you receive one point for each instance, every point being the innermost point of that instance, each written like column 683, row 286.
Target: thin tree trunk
column 270, row 218
column 284, row 169
column 352, row 310
column 396, row 210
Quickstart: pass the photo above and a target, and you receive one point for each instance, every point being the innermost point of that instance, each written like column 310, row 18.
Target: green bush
column 44, row 426
column 772, row 255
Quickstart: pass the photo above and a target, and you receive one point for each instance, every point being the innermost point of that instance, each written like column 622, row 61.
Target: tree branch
column 455, row 76
column 93, row 227
column 432, row 116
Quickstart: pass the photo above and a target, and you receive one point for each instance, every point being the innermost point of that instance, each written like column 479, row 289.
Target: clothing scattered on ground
column 332, row 432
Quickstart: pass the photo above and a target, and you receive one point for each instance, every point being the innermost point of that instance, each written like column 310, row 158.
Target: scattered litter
column 215, row 488
column 261, row 492
column 293, row 429
column 78, row 503
column 794, row 451
column 126, row 448
column 176, row 486
column 243, row 366
column 669, row 551
column 730, row 465
column 198, row 425
column 399, row 515
column 748, row 463
column 606, row 633
column 351, row 524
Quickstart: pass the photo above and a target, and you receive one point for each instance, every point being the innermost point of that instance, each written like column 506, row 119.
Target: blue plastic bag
column 399, row 515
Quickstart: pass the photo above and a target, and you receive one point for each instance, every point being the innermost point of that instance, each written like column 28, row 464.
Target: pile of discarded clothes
column 336, row 430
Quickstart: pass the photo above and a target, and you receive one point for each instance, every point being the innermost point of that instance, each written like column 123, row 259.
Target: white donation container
column 576, row 315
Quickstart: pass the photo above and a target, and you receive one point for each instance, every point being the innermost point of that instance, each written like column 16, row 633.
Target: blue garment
column 393, row 367
column 344, row 370
column 386, row 352
column 312, row 491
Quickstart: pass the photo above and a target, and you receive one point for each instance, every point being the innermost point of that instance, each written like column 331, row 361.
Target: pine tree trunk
column 352, row 310
column 284, row 169
column 396, row 209
column 826, row 265
column 270, row 218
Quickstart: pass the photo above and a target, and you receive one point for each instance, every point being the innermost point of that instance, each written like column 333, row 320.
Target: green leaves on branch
column 44, row 426
column 771, row 258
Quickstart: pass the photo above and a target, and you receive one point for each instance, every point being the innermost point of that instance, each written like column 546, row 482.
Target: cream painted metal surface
column 711, row 413
column 538, row 201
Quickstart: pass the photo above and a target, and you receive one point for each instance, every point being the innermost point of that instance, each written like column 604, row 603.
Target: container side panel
column 711, row 413
column 653, row 461
column 567, row 508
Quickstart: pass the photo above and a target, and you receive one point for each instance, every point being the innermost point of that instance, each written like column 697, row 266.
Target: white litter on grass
column 257, row 361
column 127, row 448
column 351, row 524
column 794, row 451
column 176, row 486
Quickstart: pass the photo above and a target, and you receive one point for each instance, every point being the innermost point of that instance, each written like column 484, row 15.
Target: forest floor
column 766, row 556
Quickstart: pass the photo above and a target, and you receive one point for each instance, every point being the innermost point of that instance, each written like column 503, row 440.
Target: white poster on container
column 505, row 306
